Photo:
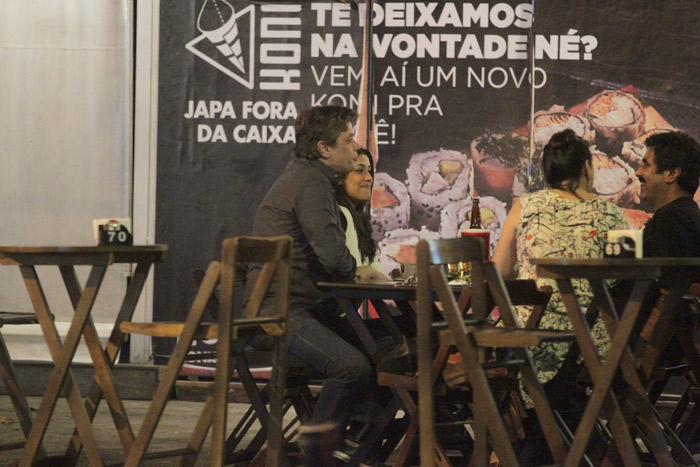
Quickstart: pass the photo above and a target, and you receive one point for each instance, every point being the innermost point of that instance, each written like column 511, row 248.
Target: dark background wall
column 208, row 190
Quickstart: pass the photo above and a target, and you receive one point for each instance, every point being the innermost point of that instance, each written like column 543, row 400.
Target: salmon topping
column 383, row 198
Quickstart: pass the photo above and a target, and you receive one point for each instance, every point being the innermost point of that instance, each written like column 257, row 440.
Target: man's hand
column 369, row 274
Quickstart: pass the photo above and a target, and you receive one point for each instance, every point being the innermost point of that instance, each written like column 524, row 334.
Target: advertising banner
column 233, row 77
column 466, row 94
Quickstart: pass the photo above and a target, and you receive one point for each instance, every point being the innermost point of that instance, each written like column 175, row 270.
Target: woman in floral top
column 564, row 221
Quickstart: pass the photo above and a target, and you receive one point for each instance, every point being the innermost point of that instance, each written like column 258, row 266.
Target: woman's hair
column 563, row 160
column 360, row 216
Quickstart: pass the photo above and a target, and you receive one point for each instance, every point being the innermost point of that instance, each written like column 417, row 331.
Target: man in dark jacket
column 301, row 204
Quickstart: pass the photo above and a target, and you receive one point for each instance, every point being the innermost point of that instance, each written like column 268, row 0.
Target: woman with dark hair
column 564, row 221
column 353, row 194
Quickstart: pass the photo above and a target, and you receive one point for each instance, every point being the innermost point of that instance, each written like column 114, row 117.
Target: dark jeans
column 323, row 341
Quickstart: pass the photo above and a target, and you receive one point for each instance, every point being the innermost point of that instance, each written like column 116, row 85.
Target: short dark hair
column 563, row 159
column 323, row 123
column 677, row 149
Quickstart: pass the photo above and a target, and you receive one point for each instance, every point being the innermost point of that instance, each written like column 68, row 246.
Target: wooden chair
column 688, row 427
column 7, row 371
column 523, row 292
column 682, row 427
column 470, row 337
column 298, row 395
column 232, row 330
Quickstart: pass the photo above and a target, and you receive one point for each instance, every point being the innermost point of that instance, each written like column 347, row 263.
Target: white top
column 353, row 243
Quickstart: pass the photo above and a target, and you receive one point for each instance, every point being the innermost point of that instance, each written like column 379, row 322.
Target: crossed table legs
column 638, row 409
column 62, row 354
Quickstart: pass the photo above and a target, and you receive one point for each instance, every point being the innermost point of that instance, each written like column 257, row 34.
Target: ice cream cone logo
column 217, row 21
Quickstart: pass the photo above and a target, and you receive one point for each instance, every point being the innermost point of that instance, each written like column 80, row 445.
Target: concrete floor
column 173, row 432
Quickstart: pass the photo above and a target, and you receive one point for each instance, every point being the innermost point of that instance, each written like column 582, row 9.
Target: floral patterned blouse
column 553, row 227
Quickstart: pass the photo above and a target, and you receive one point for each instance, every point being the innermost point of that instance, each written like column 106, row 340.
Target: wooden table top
column 612, row 268
column 614, row 262
column 80, row 255
column 372, row 290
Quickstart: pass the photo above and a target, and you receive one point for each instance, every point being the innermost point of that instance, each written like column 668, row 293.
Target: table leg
column 637, row 405
column 601, row 374
column 19, row 402
column 637, row 401
column 388, row 322
column 356, row 322
column 62, row 356
column 103, row 367
column 114, row 343
column 408, row 310
column 528, row 372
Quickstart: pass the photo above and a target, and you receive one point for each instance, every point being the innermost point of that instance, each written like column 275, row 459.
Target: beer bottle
column 475, row 222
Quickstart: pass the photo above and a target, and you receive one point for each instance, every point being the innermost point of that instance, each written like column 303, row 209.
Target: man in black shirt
column 301, row 204
column 669, row 176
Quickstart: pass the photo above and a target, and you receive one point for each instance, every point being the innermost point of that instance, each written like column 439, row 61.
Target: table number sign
column 112, row 231
column 624, row 244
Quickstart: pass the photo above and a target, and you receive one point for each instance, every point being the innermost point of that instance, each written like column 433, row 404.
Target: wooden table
column 679, row 272
column 350, row 294
column 82, row 299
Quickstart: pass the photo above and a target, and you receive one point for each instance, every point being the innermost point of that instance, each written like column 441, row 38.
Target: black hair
column 563, row 160
column 323, row 123
column 677, row 149
column 360, row 216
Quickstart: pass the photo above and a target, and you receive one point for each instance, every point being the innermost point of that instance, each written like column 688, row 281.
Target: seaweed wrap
column 399, row 247
column 390, row 205
column 436, row 179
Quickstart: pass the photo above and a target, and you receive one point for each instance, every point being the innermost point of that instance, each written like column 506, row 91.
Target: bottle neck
column 475, row 221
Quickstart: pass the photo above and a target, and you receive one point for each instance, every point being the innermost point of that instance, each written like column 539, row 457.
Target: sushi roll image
column 399, row 247
column 545, row 124
column 633, row 151
column 495, row 159
column 554, row 120
column 456, row 217
column 616, row 117
column 614, row 180
column 436, row 179
column 390, row 205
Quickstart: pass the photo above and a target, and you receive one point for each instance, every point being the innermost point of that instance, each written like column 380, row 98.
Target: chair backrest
column 274, row 254
column 213, row 303
column 487, row 284
column 431, row 256
column 440, row 252
column 527, row 292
